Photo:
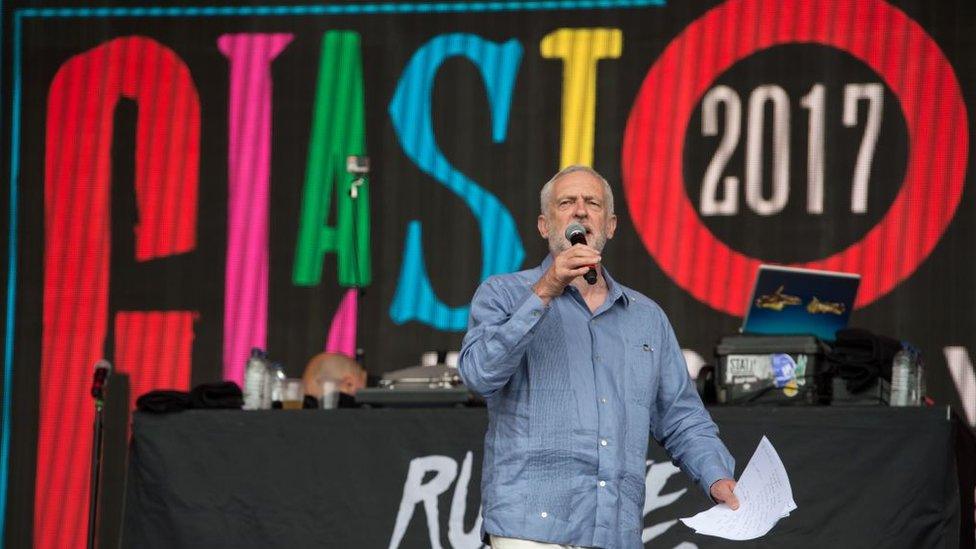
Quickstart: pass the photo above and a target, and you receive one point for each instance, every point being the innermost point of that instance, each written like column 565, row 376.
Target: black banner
column 179, row 192
column 399, row 479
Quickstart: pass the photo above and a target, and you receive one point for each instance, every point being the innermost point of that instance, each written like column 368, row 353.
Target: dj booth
column 373, row 478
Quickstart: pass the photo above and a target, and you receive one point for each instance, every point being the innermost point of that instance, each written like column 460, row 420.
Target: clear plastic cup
column 292, row 394
column 330, row 395
column 428, row 358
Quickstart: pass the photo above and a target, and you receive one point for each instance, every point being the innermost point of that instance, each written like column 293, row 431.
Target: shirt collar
column 614, row 289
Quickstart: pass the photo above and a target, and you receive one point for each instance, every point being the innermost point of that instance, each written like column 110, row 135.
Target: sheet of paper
column 765, row 496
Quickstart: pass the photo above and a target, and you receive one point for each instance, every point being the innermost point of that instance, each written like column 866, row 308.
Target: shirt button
column 603, row 442
column 544, row 514
column 536, row 313
column 596, row 357
column 603, row 400
column 603, row 483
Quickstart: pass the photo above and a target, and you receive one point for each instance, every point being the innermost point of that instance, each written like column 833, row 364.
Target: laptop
column 793, row 301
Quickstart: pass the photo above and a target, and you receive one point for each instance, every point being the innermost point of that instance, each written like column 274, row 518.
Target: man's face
column 577, row 197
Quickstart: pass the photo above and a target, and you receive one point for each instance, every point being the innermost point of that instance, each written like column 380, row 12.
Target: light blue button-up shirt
column 572, row 399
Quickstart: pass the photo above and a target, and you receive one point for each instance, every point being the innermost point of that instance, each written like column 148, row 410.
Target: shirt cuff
column 711, row 475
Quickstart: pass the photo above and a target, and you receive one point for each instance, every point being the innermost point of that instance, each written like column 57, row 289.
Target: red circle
column 881, row 36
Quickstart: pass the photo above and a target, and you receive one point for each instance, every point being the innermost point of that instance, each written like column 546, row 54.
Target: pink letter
column 248, row 166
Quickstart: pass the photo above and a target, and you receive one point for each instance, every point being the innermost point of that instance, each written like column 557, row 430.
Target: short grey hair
column 546, row 193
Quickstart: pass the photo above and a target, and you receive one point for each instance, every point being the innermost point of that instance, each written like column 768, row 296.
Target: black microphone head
column 576, row 233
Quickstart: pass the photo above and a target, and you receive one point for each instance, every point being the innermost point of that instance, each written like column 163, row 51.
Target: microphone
column 103, row 370
column 576, row 234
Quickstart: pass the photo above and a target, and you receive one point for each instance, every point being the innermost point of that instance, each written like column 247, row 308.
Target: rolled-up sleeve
column 499, row 330
column 682, row 425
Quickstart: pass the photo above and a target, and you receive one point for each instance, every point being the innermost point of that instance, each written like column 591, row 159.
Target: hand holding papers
column 764, row 496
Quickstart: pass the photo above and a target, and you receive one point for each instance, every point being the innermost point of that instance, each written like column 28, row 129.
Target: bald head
column 347, row 374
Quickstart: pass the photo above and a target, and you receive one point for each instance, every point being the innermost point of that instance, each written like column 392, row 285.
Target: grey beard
column 559, row 244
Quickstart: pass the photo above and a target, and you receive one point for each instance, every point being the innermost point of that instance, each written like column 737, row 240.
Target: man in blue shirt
column 577, row 376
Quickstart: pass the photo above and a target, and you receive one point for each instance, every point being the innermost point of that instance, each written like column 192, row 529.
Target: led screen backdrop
column 178, row 190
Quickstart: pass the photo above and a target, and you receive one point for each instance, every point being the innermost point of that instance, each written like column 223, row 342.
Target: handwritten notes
column 765, row 496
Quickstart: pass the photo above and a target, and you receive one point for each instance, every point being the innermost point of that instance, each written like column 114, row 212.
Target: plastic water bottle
column 905, row 375
column 276, row 383
column 920, row 385
column 255, row 380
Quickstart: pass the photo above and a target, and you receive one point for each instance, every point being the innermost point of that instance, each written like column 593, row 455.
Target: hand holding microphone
column 569, row 264
column 576, row 234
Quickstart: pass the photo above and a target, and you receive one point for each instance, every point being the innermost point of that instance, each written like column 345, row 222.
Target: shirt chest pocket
column 641, row 356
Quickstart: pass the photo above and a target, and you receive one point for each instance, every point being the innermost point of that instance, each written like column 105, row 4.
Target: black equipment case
column 771, row 369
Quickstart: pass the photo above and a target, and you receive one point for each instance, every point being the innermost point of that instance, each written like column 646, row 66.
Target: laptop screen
column 791, row 301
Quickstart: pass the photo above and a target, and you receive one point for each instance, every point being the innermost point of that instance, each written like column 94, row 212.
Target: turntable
column 434, row 383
